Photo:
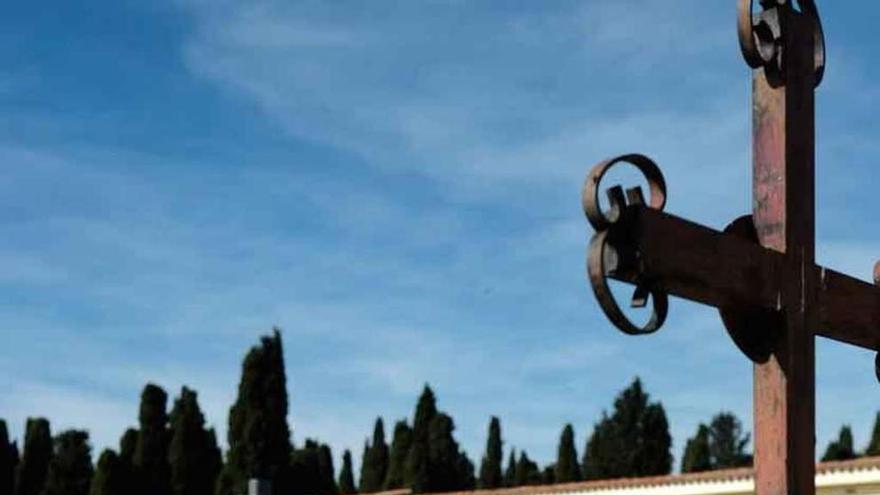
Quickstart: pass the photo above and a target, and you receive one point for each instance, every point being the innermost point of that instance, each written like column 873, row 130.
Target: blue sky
column 396, row 186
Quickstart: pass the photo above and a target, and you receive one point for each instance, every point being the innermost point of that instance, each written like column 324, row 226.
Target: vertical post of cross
column 783, row 212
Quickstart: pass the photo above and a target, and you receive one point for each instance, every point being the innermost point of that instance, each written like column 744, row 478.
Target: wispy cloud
column 415, row 218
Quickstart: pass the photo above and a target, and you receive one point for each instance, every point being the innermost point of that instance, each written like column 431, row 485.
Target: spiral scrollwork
column 761, row 34
column 609, row 254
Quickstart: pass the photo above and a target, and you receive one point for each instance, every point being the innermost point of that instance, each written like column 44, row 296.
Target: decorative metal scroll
column 760, row 35
column 609, row 253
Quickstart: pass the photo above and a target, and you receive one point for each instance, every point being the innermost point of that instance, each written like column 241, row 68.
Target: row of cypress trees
column 633, row 440
column 842, row 448
column 175, row 454
column 425, row 457
column 165, row 455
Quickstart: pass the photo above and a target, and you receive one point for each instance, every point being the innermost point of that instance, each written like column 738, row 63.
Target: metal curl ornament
column 590, row 195
column 761, row 36
column 605, row 257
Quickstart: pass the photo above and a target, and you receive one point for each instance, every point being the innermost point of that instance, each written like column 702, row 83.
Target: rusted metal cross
column 760, row 272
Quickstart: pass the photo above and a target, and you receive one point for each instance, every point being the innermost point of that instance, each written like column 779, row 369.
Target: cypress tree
column 193, row 453
column 510, row 472
column 656, row 443
column 548, row 476
column 304, row 469
column 598, row 453
column 258, row 436
column 8, row 461
column 326, row 472
column 696, row 457
column 727, row 442
column 311, row 470
column 346, row 475
column 873, row 448
column 374, row 467
column 108, row 479
column 426, row 409
column 127, row 447
column 567, row 468
column 633, row 441
column 31, row 472
column 842, row 448
column 400, row 446
column 417, row 469
column 527, row 472
column 151, row 452
column 442, row 455
column 70, row 469
column 464, row 473
column 364, row 468
column 490, row 468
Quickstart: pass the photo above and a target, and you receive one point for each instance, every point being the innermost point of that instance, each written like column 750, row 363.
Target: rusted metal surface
column 849, row 310
column 608, row 256
column 761, row 36
column 760, row 272
column 783, row 212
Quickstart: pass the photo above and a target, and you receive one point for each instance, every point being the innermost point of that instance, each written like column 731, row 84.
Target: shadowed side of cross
column 760, row 272
column 659, row 253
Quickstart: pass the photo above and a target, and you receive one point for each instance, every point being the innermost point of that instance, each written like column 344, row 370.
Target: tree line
column 174, row 453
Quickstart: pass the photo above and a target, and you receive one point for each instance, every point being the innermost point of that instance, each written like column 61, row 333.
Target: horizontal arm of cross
column 849, row 310
column 719, row 269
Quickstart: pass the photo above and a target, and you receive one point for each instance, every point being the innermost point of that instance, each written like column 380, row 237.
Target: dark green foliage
column 567, row 467
column 696, row 457
column 633, row 441
column 346, row 475
column 304, row 469
column 449, row 467
column 842, row 448
column 873, row 448
column 417, row 468
column 464, row 473
column 259, row 437
column 151, row 452
column 374, row 467
column 31, row 472
column 127, row 447
column 548, row 476
column 326, row 473
column 193, row 453
column 599, row 460
column 527, row 472
column 400, row 446
column 442, row 455
column 426, row 409
column 418, row 477
column 108, row 479
column 70, row 470
column 434, row 462
column 490, row 468
column 311, row 470
column 720, row 445
column 8, row 461
column 727, row 442
column 510, row 471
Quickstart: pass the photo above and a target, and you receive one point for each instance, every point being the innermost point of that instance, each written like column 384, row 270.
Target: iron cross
column 760, row 272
